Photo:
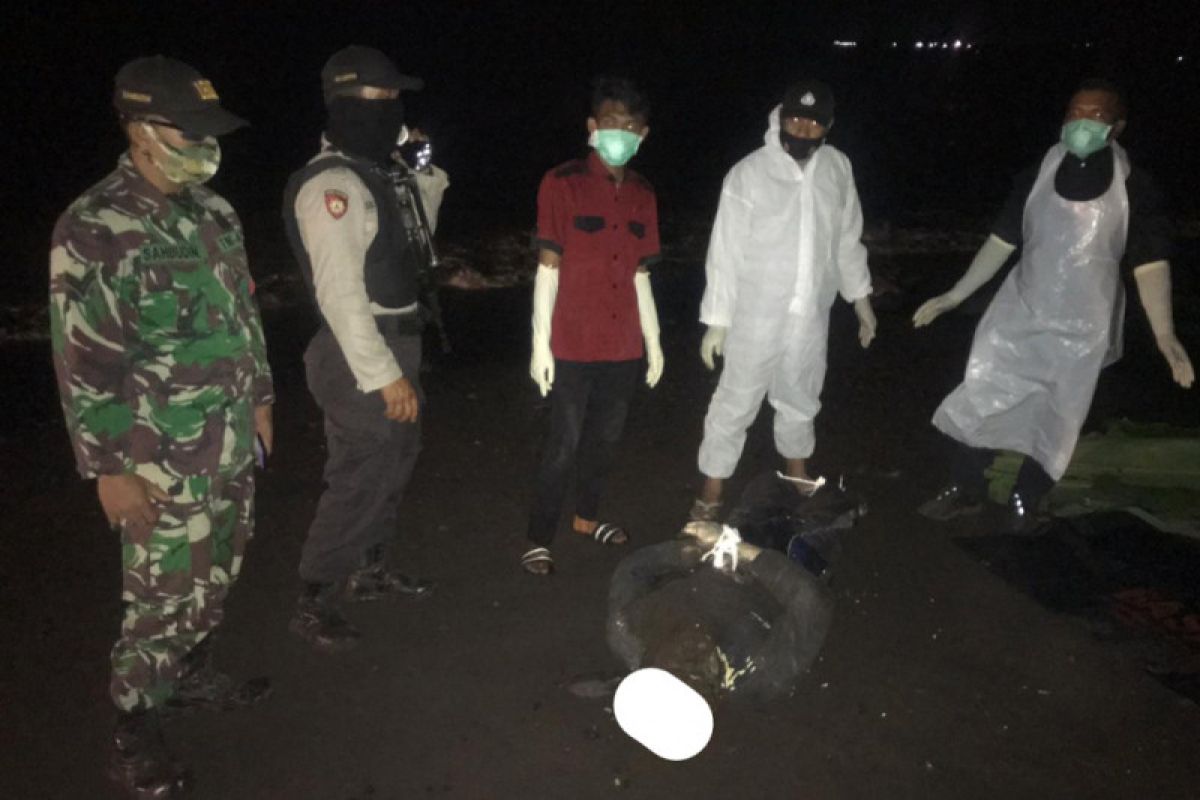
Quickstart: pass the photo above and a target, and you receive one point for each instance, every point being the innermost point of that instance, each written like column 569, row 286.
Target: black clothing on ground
column 753, row 633
column 1150, row 228
column 588, row 407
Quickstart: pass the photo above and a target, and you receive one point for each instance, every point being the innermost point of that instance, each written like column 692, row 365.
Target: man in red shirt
column 597, row 235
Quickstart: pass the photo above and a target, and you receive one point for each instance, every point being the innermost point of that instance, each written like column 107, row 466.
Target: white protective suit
column 1054, row 323
column 785, row 242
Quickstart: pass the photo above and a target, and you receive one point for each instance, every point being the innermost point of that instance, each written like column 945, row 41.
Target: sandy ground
column 938, row 679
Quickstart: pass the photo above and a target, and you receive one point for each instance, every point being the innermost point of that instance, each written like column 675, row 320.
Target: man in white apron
column 1057, row 319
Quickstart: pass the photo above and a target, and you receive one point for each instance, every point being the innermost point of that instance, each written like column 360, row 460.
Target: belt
column 410, row 324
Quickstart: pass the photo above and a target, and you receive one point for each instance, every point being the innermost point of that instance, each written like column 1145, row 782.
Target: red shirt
column 604, row 231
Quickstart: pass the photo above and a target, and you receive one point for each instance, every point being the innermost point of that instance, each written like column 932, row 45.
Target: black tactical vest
column 395, row 258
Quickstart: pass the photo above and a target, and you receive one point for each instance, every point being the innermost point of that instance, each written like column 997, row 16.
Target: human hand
column 128, row 501
column 932, row 309
column 713, row 344
column 1181, row 366
column 867, row 324
column 541, row 366
column 401, row 401
column 264, row 426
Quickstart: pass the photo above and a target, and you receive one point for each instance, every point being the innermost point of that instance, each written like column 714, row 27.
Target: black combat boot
column 374, row 580
column 203, row 687
column 319, row 622
column 141, row 763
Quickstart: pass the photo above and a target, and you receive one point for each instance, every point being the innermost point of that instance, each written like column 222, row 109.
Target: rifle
column 404, row 182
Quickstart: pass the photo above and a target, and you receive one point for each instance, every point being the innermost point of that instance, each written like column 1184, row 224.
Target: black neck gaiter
column 797, row 147
column 366, row 129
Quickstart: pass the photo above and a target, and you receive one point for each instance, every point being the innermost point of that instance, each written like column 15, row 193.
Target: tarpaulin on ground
column 1135, row 586
column 1151, row 471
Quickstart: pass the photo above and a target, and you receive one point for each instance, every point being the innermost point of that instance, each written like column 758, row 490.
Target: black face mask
column 797, row 147
column 366, row 129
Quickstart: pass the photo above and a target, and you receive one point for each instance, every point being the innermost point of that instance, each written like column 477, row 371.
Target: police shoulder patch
column 336, row 203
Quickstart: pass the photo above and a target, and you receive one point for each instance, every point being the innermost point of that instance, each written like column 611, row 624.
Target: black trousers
column 370, row 459
column 969, row 463
column 588, row 407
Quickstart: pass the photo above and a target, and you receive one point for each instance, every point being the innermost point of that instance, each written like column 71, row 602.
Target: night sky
column 507, row 87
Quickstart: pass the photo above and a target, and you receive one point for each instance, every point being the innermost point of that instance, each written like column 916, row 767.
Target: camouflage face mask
column 195, row 163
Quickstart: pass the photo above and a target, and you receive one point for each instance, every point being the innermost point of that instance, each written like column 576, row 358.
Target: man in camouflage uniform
column 162, row 371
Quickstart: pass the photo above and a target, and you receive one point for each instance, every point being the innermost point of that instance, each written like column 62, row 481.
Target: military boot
column 319, row 622
column 374, row 580
column 141, row 763
column 202, row 687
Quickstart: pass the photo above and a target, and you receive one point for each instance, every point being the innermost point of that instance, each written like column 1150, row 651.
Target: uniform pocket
column 589, row 224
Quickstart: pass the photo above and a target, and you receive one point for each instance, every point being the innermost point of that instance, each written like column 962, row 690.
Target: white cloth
column 786, row 241
column 432, row 186
column 1054, row 323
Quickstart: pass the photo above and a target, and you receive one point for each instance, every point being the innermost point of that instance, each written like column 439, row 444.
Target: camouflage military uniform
column 159, row 353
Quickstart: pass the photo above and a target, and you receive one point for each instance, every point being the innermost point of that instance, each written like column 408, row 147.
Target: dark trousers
column 588, row 407
column 370, row 459
column 969, row 463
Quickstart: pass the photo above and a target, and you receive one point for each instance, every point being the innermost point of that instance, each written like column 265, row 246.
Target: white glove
column 713, row 344
column 987, row 262
column 867, row 324
column 1154, row 287
column 648, row 316
column 541, row 362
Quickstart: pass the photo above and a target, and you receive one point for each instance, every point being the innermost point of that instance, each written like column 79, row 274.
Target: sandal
column 607, row 533
column 538, row 561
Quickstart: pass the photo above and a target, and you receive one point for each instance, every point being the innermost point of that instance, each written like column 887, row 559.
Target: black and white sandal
column 533, row 561
column 608, row 533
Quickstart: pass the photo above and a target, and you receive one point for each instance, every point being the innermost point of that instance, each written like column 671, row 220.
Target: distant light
column 920, row 45
column 1088, row 44
column 970, row 46
column 840, row 43
column 945, row 45
column 1179, row 59
column 893, row 44
column 957, row 44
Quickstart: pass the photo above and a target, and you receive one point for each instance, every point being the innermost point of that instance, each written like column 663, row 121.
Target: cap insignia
column 205, row 89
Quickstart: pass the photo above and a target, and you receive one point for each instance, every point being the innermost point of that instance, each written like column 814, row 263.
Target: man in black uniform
column 361, row 248
column 1082, row 217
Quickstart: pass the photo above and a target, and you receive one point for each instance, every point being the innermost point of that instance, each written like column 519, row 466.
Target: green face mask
column 1082, row 137
column 186, row 165
column 614, row 145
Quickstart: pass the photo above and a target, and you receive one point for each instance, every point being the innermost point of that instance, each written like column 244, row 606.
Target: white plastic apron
column 1054, row 323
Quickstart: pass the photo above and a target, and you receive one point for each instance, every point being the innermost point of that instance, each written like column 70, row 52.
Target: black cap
column 356, row 66
column 809, row 99
column 163, row 87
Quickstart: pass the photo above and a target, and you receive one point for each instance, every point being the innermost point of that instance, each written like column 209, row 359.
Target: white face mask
column 194, row 164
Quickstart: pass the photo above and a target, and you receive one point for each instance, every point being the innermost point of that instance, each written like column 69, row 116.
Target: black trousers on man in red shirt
column 588, row 407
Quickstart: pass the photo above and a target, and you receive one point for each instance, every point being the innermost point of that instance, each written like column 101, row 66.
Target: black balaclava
column 366, row 129
column 798, row 147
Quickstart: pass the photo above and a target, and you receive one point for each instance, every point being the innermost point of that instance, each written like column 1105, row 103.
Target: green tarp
column 1149, row 470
